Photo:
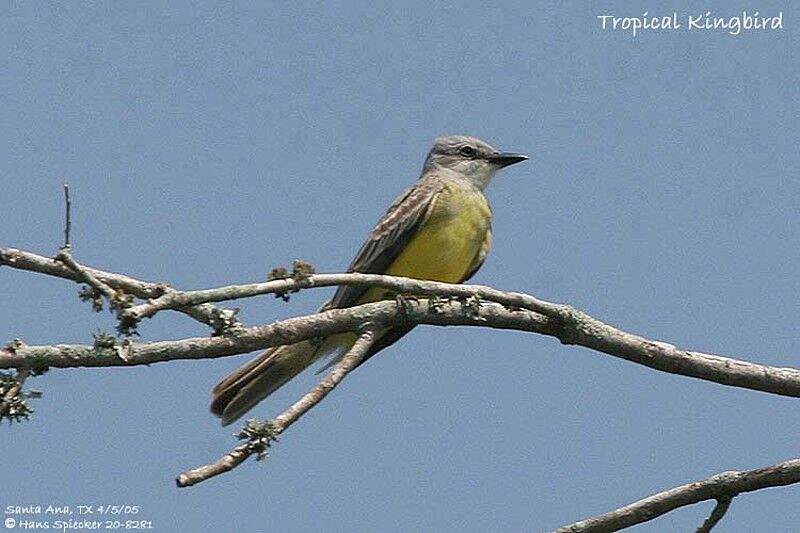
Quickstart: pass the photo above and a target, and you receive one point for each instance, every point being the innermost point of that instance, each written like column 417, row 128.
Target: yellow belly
column 444, row 249
column 447, row 243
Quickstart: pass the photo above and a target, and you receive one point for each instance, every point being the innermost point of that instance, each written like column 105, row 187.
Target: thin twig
column 354, row 356
column 65, row 256
column 716, row 515
column 179, row 299
column 218, row 318
column 723, row 486
column 226, row 463
column 68, row 222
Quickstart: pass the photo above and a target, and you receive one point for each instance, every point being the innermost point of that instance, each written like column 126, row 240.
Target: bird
column 438, row 229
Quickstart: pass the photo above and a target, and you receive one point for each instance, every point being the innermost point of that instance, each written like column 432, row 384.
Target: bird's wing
column 390, row 236
column 480, row 257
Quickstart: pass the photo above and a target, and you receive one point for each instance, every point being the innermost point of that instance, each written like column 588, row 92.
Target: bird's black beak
column 504, row 159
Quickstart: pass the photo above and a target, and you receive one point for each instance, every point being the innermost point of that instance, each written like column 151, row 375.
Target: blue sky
column 207, row 143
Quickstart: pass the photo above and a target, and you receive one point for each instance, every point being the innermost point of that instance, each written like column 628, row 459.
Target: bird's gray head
column 469, row 157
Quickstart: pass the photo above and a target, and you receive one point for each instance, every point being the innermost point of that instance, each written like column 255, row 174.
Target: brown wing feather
column 390, row 236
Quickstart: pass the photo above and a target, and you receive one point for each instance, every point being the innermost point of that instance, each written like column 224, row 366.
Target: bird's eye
column 467, row 151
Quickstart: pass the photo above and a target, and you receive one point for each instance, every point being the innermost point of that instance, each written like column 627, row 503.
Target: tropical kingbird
column 439, row 229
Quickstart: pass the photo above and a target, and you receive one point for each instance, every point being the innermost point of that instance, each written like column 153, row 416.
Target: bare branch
column 354, row 357
column 179, row 299
column 205, row 313
column 569, row 325
column 114, row 297
column 226, row 463
column 471, row 305
column 283, row 332
column 579, row 328
column 716, row 515
column 65, row 256
column 721, row 487
column 32, row 262
column 67, row 216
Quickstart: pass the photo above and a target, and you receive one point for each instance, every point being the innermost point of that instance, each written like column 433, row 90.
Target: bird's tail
column 241, row 390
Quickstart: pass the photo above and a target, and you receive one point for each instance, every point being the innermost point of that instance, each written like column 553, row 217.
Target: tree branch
column 569, row 325
column 219, row 319
column 354, row 357
column 278, row 333
column 471, row 305
column 178, row 299
column 65, row 256
column 721, row 487
column 716, row 515
column 67, row 216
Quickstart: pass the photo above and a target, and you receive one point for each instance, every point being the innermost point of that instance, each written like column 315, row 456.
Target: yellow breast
column 447, row 243
column 444, row 248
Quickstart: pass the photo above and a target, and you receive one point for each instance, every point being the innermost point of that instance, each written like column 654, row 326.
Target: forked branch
column 354, row 357
column 432, row 303
column 722, row 487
